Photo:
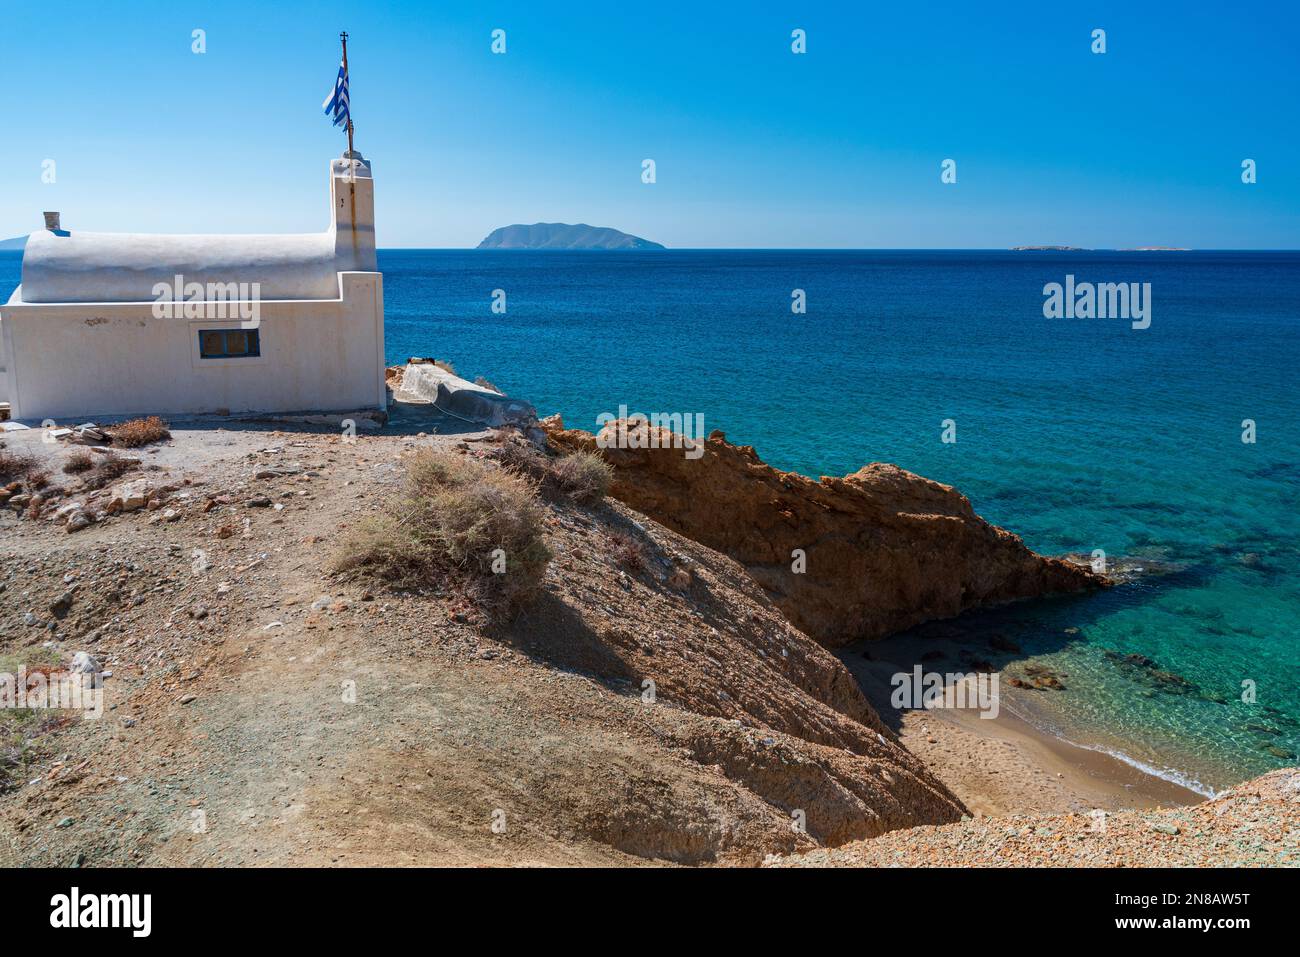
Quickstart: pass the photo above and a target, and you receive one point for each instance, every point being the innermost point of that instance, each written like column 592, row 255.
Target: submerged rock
column 1042, row 677
column 1147, row 671
column 1004, row 644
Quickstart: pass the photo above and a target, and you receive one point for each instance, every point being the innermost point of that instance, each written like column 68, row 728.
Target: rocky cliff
column 846, row 558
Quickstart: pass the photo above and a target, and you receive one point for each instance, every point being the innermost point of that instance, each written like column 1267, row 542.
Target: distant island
column 563, row 236
column 18, row 242
column 1052, row 249
column 1080, row 249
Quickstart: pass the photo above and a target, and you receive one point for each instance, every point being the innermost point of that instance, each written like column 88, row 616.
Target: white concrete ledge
column 451, row 394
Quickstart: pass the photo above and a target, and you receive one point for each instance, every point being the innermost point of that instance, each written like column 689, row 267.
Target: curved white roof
column 72, row 266
column 123, row 267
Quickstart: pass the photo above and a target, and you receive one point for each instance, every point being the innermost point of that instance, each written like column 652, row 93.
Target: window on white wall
column 229, row 343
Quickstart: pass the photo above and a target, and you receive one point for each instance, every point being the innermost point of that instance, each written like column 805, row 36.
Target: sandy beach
column 1003, row 765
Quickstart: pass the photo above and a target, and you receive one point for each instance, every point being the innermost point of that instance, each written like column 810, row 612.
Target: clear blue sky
column 754, row 145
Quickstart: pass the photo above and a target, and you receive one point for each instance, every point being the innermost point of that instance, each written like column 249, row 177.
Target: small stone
column 130, row 496
column 260, row 502
column 78, row 520
column 187, row 698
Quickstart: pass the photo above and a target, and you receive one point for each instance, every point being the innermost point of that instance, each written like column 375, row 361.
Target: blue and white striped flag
column 337, row 101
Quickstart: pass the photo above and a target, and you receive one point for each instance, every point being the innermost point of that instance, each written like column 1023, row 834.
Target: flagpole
column 344, row 37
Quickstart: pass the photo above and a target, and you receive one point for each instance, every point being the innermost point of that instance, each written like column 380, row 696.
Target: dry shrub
column 79, row 461
column 20, row 732
column 385, row 548
column 430, row 471
column 628, row 551
column 456, row 520
column 14, row 465
column 37, row 478
column 445, row 366
column 583, row 476
column 485, row 384
column 138, row 432
column 109, row 470
column 21, row 728
column 519, row 455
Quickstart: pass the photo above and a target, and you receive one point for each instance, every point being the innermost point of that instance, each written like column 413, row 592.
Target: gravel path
column 1254, row 825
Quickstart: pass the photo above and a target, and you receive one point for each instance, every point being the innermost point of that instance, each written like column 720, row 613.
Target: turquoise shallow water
column 1077, row 434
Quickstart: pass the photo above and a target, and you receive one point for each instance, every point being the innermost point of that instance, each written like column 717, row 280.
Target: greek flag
column 337, row 101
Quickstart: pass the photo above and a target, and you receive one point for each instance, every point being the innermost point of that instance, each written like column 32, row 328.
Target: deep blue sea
column 1078, row 434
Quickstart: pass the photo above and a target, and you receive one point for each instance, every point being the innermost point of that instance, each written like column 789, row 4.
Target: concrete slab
column 455, row 396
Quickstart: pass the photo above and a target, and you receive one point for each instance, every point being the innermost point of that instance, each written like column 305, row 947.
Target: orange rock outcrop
column 861, row 556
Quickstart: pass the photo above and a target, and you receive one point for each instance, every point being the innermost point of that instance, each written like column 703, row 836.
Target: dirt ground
column 262, row 712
